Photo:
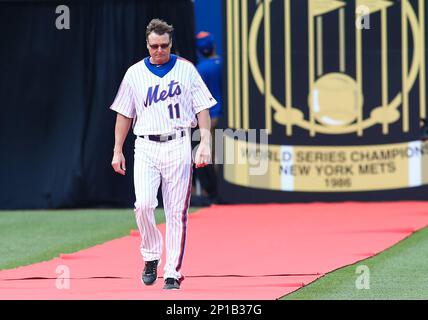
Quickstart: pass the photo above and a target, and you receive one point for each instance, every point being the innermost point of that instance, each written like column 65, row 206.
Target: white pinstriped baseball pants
column 168, row 162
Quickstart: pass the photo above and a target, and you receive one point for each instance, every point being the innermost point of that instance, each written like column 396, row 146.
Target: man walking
column 163, row 96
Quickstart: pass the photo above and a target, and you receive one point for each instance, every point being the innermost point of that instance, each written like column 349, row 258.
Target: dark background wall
column 56, row 86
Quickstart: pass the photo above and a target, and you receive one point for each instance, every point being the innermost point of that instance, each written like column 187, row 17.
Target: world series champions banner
column 338, row 86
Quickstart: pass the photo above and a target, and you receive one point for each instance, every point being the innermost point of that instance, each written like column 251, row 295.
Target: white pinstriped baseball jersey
column 162, row 103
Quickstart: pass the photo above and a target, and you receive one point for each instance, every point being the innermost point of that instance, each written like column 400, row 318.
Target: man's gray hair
column 159, row 27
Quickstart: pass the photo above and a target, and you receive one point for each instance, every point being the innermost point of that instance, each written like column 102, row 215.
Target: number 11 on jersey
column 171, row 111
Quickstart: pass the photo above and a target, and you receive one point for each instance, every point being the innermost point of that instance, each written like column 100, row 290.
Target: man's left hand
column 203, row 155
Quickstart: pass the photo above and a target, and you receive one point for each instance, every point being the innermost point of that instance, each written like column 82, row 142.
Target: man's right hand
column 118, row 163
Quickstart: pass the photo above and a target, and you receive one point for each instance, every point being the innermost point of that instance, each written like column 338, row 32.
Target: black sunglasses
column 156, row 46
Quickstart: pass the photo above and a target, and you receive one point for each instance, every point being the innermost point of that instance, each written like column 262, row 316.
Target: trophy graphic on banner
column 335, row 100
column 339, row 86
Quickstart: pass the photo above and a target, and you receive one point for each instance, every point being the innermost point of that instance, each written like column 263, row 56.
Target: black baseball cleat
column 150, row 273
column 171, row 284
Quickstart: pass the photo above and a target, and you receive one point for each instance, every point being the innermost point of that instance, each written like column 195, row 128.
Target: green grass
column 28, row 237
column 33, row 236
column 399, row 273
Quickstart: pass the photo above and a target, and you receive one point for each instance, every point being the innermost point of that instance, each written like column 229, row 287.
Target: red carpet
column 232, row 252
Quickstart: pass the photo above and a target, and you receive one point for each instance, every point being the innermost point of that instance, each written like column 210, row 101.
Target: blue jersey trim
column 161, row 69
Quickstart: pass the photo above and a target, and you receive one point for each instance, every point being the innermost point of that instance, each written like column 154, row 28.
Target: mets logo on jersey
column 154, row 95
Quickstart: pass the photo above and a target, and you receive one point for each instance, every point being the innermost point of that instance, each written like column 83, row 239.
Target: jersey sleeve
column 124, row 103
column 201, row 95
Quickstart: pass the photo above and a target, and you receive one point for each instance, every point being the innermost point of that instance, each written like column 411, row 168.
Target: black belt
column 163, row 137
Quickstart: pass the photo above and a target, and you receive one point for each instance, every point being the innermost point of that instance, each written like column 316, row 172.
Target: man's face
column 159, row 47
